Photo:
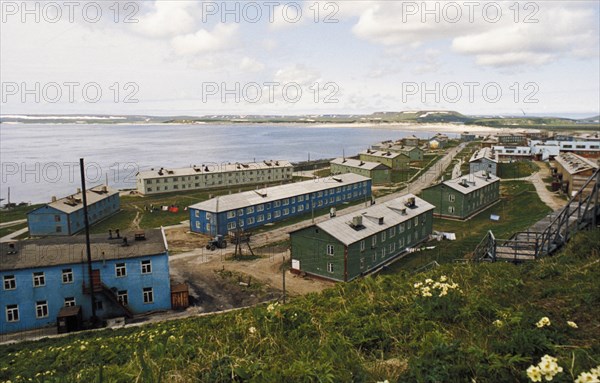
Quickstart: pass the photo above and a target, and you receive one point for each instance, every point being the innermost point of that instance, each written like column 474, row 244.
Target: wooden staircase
column 99, row 287
column 550, row 233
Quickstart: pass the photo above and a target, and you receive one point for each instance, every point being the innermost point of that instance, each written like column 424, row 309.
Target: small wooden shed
column 69, row 319
column 180, row 298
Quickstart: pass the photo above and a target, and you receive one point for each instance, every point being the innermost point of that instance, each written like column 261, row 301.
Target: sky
column 305, row 57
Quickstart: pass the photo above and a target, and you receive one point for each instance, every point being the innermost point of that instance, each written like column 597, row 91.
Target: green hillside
column 469, row 323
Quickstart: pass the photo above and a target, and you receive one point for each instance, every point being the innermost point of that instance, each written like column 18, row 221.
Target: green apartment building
column 464, row 196
column 346, row 247
column 393, row 160
column 379, row 173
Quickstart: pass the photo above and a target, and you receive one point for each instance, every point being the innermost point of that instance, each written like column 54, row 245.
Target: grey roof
column 575, row 164
column 391, row 211
column 212, row 168
column 74, row 202
column 382, row 154
column 487, row 153
column 473, row 181
column 68, row 250
column 359, row 164
column 274, row 193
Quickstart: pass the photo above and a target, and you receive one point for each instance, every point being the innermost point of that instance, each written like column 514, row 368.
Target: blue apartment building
column 65, row 216
column 43, row 278
column 252, row 209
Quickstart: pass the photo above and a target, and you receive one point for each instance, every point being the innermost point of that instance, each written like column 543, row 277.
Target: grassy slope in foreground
column 374, row 329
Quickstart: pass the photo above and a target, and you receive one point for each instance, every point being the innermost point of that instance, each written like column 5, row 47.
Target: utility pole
column 88, row 249
column 283, row 269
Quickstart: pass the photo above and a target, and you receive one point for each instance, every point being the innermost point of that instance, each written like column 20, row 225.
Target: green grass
column 374, row 329
column 16, row 213
column 11, row 229
column 517, row 169
column 322, row 172
column 517, row 197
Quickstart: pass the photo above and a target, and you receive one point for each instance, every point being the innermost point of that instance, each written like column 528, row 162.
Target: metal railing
column 581, row 211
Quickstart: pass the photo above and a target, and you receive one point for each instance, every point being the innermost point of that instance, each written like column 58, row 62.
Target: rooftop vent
column 380, row 220
column 12, row 249
column 357, row 221
column 464, row 183
column 410, row 202
column 338, row 179
column 139, row 235
column 53, row 198
column 361, row 163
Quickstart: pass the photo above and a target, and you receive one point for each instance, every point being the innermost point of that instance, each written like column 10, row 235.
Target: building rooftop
column 575, row 164
column 274, row 193
column 359, row 164
column 374, row 219
column 487, row 153
column 74, row 202
column 212, row 168
column 39, row 253
column 382, row 154
column 471, row 182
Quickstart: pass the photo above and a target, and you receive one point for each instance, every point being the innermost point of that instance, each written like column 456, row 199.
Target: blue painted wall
column 43, row 221
column 257, row 215
column 55, row 291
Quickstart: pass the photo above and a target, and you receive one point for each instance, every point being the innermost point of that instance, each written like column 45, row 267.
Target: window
column 10, row 282
column 120, row 270
column 401, row 242
column 67, row 276
column 250, row 210
column 330, row 267
column 362, row 245
column 450, row 209
column 260, row 218
column 69, row 301
column 260, row 208
column 416, row 221
column 250, row 221
column 392, row 231
column 451, row 197
column 286, row 211
column 374, row 257
column 41, row 309
column 383, row 252
column 362, row 263
column 276, row 203
column 57, row 218
column 392, row 247
column 122, row 297
column 39, row 279
column 240, row 212
column 197, row 225
column 401, row 228
column 383, row 236
column 12, row 313
column 277, row 214
column 230, row 225
column 330, row 249
column 286, row 202
column 373, row 241
column 146, row 267
column 148, row 295
column 300, row 208
column 99, row 305
column 59, row 229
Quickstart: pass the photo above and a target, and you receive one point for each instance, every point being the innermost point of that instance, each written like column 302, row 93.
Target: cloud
column 299, row 74
column 204, row 41
column 167, row 19
column 554, row 29
column 248, row 64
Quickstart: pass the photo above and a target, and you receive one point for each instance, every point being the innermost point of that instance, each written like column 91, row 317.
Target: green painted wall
column 452, row 203
column 310, row 248
column 397, row 163
column 379, row 176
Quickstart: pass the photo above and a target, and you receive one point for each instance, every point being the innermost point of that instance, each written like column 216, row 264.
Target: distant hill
column 413, row 117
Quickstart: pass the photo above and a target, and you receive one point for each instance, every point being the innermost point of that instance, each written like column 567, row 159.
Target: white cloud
column 248, row 64
column 168, row 19
column 555, row 30
column 299, row 74
column 204, row 41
